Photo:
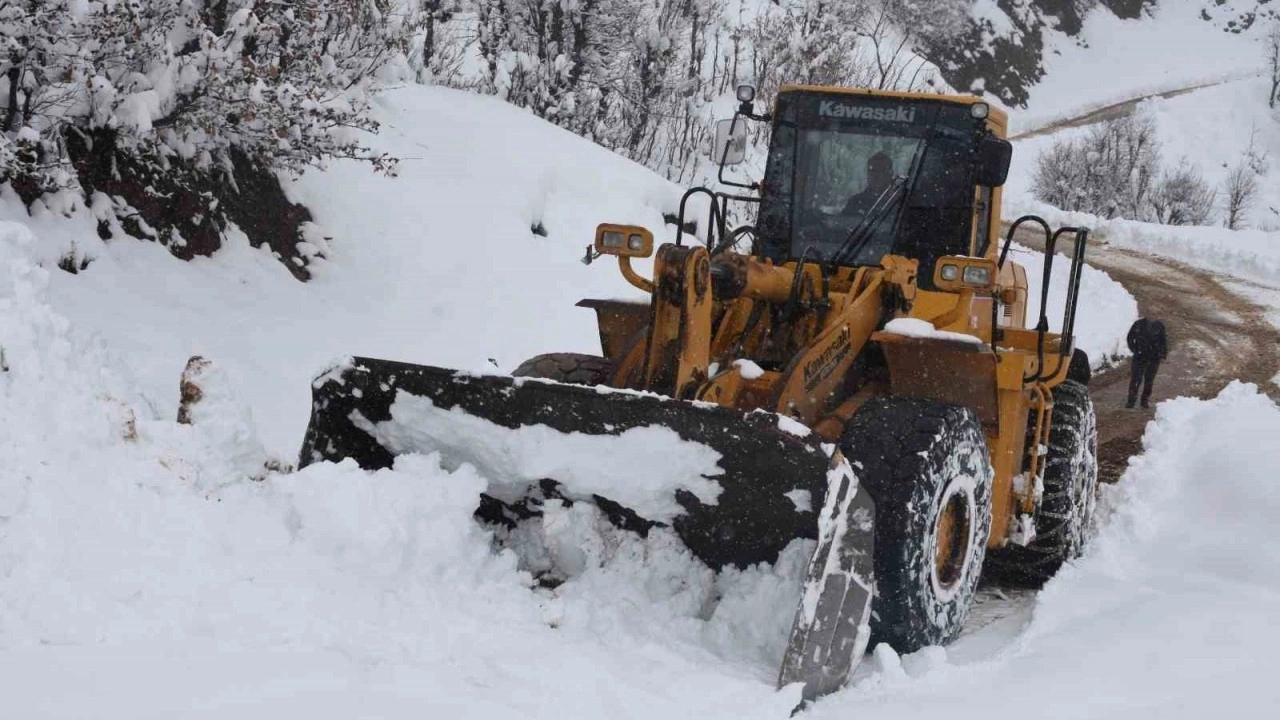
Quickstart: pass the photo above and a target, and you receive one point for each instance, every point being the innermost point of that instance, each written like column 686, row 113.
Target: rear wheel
column 1080, row 370
column 928, row 468
column 572, row 368
column 1070, row 491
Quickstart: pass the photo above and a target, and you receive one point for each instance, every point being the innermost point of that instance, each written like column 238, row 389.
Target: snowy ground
column 1103, row 314
column 1265, row 296
column 1169, row 612
column 1251, row 254
column 439, row 266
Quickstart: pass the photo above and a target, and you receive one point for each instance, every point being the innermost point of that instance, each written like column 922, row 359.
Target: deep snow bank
column 1173, row 610
column 144, row 573
column 438, row 266
column 1252, row 254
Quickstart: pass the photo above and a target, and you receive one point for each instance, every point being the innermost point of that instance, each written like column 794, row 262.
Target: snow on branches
column 643, row 77
column 287, row 84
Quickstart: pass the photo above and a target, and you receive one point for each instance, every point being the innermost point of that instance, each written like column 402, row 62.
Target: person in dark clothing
column 879, row 177
column 1149, row 344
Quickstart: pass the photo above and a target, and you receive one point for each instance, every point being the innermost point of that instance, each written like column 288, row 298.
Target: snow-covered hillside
column 1211, row 127
column 440, row 265
column 1170, row 46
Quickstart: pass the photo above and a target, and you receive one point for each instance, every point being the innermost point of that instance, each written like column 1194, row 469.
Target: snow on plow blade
column 733, row 485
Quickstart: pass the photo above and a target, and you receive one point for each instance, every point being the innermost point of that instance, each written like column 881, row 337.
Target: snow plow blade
column 770, row 480
column 832, row 624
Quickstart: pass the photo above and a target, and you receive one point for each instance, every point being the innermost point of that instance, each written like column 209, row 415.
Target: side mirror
column 992, row 161
column 623, row 240
column 730, row 147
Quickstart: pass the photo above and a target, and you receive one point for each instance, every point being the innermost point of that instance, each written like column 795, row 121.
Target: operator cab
column 853, row 176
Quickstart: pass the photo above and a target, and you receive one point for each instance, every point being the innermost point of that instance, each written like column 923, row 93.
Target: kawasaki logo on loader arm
column 831, row 108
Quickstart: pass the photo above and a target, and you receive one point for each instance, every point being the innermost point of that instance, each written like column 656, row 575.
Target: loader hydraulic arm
column 735, row 276
column 678, row 347
column 633, row 277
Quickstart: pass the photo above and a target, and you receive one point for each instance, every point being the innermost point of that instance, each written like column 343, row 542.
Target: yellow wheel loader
column 856, row 368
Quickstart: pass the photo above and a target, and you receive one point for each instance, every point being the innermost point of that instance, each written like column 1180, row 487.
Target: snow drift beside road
column 1251, row 254
column 143, row 574
column 1173, row 610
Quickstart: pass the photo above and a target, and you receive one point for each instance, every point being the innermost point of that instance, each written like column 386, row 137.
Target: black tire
column 917, row 458
column 1079, row 369
column 573, row 368
column 1064, row 521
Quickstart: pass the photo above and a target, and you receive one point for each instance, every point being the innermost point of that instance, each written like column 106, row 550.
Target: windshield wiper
column 862, row 234
column 864, row 231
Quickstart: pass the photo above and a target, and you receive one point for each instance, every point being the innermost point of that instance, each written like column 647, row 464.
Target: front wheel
column 928, row 467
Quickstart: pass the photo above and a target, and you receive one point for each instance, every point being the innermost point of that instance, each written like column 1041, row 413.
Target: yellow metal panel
column 619, row 321
column 948, row 371
column 997, row 120
column 679, row 342
column 814, row 380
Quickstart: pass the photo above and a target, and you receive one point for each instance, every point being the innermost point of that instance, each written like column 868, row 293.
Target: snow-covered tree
column 1182, row 197
column 1109, row 172
column 438, row 52
column 42, row 73
column 541, row 54
column 808, row 42
column 1271, row 45
column 1238, row 192
column 898, row 34
column 641, row 76
column 1240, row 189
column 286, row 84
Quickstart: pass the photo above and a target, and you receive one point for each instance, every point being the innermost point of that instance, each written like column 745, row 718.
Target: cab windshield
column 857, row 179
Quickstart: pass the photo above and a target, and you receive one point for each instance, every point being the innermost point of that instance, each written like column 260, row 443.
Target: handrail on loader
column 1067, row 337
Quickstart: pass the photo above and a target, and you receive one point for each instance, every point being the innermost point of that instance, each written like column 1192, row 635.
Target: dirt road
column 1216, row 336
column 1108, row 112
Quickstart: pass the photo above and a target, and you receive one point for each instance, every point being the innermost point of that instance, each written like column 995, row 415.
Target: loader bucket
column 757, row 487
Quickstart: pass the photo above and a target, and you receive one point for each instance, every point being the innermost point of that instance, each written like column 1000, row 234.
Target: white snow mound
column 1169, row 610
